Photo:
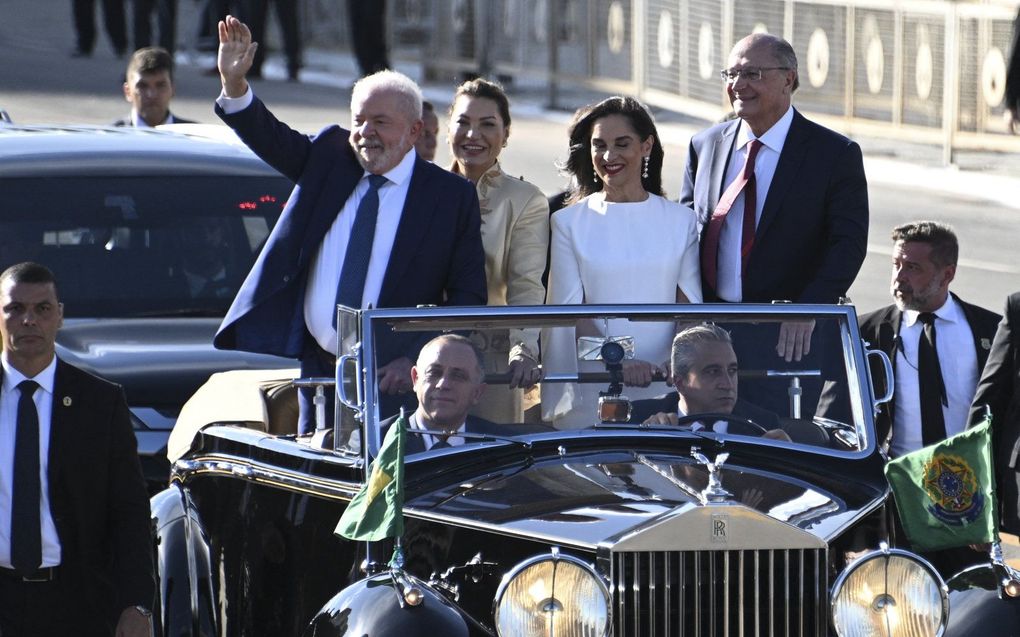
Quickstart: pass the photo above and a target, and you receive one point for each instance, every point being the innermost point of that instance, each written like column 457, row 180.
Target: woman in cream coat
column 515, row 234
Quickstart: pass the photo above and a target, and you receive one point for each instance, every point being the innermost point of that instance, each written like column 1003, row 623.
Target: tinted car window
column 134, row 246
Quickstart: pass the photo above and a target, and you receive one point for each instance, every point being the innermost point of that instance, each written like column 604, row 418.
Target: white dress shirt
column 324, row 271
column 138, row 122
column 10, row 395
column 719, row 426
column 428, row 440
column 730, row 281
column 954, row 342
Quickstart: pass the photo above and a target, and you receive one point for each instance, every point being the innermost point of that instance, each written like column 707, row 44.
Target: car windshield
column 695, row 370
column 160, row 245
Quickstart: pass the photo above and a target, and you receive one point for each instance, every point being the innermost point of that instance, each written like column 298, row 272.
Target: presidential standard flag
column 376, row 512
column 945, row 493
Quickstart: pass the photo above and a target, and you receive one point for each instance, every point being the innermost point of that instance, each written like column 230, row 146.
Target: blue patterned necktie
column 26, row 531
column 359, row 248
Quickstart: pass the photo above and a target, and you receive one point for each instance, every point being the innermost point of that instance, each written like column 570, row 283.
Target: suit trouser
column 368, row 31
column 166, row 21
column 255, row 14
column 55, row 608
column 113, row 18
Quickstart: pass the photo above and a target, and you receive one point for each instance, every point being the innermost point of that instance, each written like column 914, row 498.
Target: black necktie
column 26, row 536
column 359, row 248
column 931, row 384
column 441, row 443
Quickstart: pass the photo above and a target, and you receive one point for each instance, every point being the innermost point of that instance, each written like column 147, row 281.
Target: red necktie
column 710, row 247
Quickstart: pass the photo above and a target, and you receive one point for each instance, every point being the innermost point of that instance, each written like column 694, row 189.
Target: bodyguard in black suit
column 924, row 263
column 75, row 537
column 805, row 196
column 999, row 391
column 149, row 87
column 432, row 255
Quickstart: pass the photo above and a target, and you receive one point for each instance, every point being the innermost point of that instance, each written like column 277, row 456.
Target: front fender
column 183, row 566
column 976, row 608
column 372, row 606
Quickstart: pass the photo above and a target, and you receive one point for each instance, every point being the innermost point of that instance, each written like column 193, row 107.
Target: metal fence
column 930, row 71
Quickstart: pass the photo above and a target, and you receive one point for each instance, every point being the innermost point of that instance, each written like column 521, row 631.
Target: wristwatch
column 144, row 611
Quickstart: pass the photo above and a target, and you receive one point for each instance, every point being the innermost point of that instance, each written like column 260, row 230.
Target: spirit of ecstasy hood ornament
column 714, row 492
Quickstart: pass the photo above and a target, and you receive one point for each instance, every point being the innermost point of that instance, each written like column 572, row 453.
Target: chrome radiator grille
column 780, row 593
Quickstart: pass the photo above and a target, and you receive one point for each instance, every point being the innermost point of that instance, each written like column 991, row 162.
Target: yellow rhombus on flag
column 376, row 512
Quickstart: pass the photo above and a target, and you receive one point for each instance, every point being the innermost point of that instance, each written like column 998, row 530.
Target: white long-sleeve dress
column 604, row 252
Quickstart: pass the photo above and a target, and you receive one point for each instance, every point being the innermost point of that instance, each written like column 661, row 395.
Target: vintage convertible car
column 600, row 526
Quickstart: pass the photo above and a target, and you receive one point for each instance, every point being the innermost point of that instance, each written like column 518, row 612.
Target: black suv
column 149, row 233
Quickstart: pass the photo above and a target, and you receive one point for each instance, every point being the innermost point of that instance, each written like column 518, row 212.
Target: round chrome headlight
column 889, row 592
column 552, row 595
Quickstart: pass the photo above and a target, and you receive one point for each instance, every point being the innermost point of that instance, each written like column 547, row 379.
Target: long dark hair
column 579, row 165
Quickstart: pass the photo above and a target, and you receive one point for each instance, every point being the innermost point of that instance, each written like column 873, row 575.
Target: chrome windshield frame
column 438, row 319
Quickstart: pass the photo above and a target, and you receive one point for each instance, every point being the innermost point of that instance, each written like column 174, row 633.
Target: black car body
column 149, row 234
column 616, row 528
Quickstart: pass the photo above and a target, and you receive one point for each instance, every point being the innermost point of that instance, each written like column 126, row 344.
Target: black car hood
column 590, row 499
column 159, row 361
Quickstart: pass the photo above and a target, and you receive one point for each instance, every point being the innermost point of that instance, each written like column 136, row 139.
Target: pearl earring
column 644, row 173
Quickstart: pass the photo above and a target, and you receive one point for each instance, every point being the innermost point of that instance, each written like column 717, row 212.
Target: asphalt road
column 40, row 83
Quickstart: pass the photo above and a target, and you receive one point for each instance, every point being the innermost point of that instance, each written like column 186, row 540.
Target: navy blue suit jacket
column 813, row 233
column 437, row 256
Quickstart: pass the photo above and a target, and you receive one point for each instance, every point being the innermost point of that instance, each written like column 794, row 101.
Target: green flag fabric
column 945, row 493
column 376, row 512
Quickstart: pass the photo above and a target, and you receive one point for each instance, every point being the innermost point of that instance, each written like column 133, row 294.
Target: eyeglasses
column 748, row 74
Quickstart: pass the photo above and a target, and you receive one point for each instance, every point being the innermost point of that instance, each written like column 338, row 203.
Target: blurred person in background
column 428, row 140
column 149, row 87
column 1013, row 79
column 166, row 22
column 515, row 235
column 85, row 26
column 368, row 32
column 618, row 241
column 255, row 13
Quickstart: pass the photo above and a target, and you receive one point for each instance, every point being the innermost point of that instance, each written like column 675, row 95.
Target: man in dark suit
column 924, row 264
column 799, row 186
column 999, row 391
column 425, row 248
column 149, row 87
column 449, row 379
column 703, row 366
column 75, row 537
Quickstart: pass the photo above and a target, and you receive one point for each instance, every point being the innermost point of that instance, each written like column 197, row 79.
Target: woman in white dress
column 620, row 241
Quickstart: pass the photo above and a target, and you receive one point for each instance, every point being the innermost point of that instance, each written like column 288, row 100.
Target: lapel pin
column 67, row 401
column 986, row 344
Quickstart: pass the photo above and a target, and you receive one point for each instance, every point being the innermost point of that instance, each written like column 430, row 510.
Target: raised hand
column 236, row 55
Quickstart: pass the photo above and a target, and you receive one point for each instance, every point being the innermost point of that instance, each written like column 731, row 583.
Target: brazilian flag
column 945, row 493
column 376, row 512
